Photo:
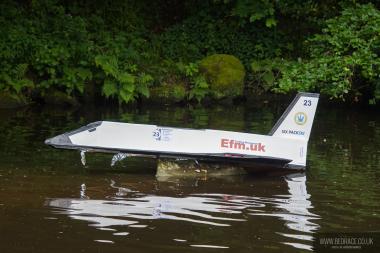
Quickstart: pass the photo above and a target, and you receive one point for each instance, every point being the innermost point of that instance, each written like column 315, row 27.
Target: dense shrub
column 204, row 34
column 344, row 58
column 123, row 49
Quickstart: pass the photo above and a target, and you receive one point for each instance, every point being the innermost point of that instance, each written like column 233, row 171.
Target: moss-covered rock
column 225, row 75
column 169, row 92
column 8, row 100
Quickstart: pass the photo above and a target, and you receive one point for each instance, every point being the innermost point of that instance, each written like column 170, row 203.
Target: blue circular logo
column 300, row 118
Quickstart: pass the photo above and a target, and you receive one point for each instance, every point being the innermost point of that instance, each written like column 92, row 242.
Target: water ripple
column 135, row 210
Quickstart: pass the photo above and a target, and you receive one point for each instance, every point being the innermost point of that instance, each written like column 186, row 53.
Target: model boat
column 285, row 146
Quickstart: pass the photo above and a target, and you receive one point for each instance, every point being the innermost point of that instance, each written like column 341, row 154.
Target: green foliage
column 169, row 92
column 205, row 34
column 199, row 87
column 265, row 73
column 256, row 10
column 121, row 81
column 126, row 48
column 45, row 47
column 343, row 59
column 15, row 80
column 50, row 43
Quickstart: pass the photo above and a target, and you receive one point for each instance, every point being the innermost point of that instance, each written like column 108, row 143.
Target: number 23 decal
column 307, row 102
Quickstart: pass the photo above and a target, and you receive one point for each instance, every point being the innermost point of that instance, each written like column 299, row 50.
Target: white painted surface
column 298, row 123
column 289, row 141
column 113, row 135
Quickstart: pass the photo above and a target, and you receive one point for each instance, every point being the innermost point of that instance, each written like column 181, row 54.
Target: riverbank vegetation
column 57, row 51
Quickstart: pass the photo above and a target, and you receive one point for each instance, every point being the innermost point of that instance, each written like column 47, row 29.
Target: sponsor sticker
column 162, row 134
column 300, row 118
column 293, row 132
column 242, row 145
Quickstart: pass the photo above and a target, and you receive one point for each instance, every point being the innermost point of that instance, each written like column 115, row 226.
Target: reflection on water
column 127, row 208
column 294, row 208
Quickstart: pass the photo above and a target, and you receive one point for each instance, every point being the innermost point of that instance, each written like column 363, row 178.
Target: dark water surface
column 49, row 202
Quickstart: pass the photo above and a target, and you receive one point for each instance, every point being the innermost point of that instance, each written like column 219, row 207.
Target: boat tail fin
column 297, row 120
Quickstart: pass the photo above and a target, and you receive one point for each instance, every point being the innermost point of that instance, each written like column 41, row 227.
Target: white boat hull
column 286, row 146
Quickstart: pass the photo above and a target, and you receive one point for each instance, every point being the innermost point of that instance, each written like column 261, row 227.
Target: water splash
column 121, row 191
column 83, row 191
column 83, row 157
column 117, row 158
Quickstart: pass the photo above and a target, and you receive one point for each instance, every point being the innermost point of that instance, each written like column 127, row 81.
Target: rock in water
column 180, row 167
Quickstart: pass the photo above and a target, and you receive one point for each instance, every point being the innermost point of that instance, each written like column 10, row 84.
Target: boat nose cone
column 59, row 141
column 48, row 141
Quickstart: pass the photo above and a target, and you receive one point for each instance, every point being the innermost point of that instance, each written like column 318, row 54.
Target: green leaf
column 270, row 22
column 79, row 85
column 108, row 64
column 84, row 74
column 268, row 78
column 125, row 77
column 125, row 96
column 200, row 82
column 143, row 90
column 130, row 87
column 109, row 88
column 145, row 78
column 255, row 65
column 256, row 16
column 20, row 70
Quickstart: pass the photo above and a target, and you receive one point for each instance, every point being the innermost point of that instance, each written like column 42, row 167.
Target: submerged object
column 284, row 147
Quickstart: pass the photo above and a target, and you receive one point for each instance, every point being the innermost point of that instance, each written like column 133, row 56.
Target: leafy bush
column 206, row 34
column 343, row 59
column 14, row 80
column 46, row 48
column 265, row 73
column 199, row 87
column 123, row 48
column 51, row 44
column 121, row 81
